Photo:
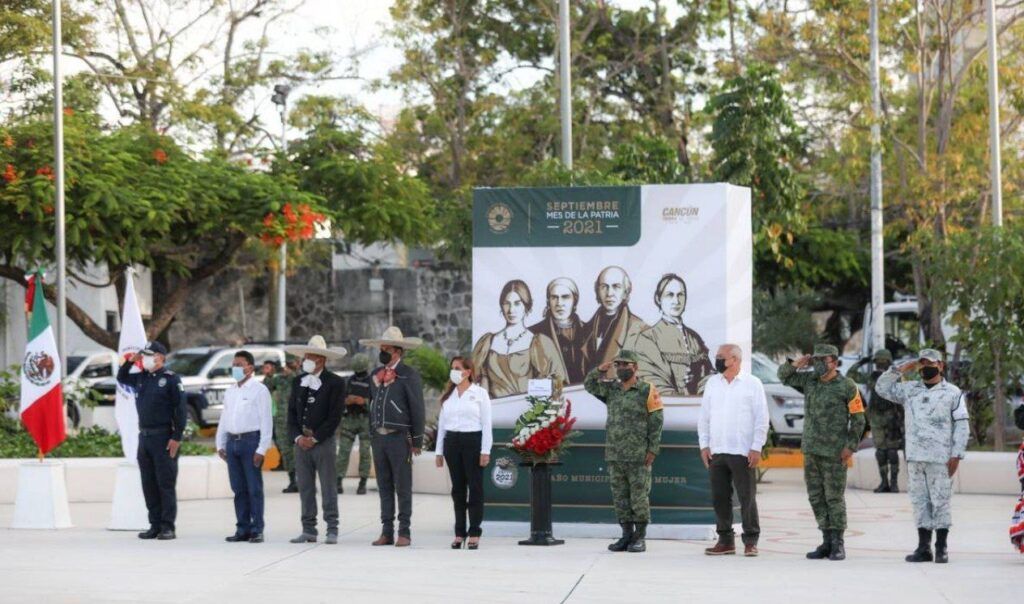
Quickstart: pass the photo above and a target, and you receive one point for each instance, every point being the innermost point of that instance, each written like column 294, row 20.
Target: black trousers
column 392, row 461
column 730, row 472
column 462, row 454
column 159, row 476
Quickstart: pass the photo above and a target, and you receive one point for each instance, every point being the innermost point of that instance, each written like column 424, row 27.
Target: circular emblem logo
column 162, row 382
column 38, row 367
column 505, row 474
column 499, row 218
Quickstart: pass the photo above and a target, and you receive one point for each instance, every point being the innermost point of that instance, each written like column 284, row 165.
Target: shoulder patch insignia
column 856, row 404
column 654, row 400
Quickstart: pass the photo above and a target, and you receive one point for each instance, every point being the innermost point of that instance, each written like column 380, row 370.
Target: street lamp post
column 564, row 61
column 993, row 115
column 280, row 99
column 877, row 242
column 58, row 205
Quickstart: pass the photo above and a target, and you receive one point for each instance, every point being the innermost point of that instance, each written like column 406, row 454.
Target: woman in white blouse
column 464, row 441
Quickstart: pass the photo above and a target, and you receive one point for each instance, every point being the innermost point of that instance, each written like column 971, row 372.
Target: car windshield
column 73, row 363
column 765, row 369
column 187, row 363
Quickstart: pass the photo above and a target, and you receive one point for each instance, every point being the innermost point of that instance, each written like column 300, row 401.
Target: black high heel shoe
column 457, row 544
column 473, row 544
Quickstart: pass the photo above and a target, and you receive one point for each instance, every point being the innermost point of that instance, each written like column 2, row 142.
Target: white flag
column 133, row 339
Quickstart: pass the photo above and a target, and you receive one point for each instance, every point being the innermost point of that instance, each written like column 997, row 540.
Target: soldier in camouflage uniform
column 633, row 431
column 833, row 425
column 355, row 424
column 280, row 386
column 937, row 431
column 886, row 421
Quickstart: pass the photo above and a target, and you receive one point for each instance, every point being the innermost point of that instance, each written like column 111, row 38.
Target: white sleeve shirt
column 247, row 408
column 468, row 412
column 733, row 415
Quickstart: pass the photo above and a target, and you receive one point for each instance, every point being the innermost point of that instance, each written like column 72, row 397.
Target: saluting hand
column 909, row 367
column 802, row 362
column 172, row 448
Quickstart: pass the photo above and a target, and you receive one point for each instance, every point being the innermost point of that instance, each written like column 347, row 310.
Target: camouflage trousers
column 284, row 444
column 825, row 477
column 351, row 427
column 931, row 491
column 631, row 491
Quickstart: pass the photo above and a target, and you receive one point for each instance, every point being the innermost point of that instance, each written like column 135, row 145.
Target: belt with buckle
column 152, row 431
column 243, row 435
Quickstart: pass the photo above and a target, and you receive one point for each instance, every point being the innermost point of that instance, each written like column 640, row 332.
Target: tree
column 133, row 197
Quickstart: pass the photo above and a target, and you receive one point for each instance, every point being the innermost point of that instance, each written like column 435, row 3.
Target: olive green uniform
column 280, row 387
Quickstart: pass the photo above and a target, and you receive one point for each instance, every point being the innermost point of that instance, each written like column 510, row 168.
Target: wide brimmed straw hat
column 393, row 337
column 317, row 345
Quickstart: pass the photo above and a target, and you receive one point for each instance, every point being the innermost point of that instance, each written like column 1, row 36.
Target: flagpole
column 993, row 116
column 58, row 206
column 564, row 63
column 877, row 242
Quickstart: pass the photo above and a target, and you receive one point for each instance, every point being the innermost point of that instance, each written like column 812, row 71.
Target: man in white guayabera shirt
column 732, row 429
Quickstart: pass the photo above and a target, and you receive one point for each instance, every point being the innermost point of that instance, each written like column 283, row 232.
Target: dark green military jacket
column 280, row 387
column 833, row 411
column 635, row 418
column 885, row 417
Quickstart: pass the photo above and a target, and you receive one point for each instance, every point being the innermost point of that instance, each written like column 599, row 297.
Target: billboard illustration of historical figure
column 613, row 326
column 673, row 357
column 507, row 360
column 563, row 325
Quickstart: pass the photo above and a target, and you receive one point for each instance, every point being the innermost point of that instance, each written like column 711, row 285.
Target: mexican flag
column 42, row 402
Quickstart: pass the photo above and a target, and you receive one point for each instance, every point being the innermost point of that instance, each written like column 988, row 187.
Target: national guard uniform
column 356, row 423
column 160, row 401
column 833, row 421
column 886, row 421
column 635, row 419
column 280, row 386
column 936, row 432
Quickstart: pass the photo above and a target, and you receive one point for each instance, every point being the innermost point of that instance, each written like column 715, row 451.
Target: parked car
column 86, row 368
column 205, row 374
column 785, row 404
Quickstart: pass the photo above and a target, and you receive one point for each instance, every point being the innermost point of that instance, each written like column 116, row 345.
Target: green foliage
column 783, row 321
column 432, row 365
column 648, row 160
column 15, row 443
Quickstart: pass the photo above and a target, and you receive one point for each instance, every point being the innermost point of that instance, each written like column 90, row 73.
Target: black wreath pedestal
column 540, row 505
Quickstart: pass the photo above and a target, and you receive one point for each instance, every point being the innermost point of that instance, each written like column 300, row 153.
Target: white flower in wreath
column 545, row 424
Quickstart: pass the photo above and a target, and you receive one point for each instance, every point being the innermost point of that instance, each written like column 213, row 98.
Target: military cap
column 883, row 355
column 930, row 354
column 155, row 348
column 825, row 350
column 627, row 356
column 360, row 362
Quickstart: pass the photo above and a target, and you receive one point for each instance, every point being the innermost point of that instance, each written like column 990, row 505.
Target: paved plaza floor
column 90, row 564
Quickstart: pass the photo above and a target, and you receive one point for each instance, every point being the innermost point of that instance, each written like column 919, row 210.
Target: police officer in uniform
column 160, row 401
column 833, row 425
column 356, row 423
column 635, row 420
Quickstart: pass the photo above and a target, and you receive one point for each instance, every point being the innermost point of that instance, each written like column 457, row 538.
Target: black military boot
column 884, row 486
column 341, row 489
column 894, row 476
column 361, row 490
column 838, row 546
column 292, row 486
column 638, row 543
column 923, row 553
column 624, row 540
column 941, row 553
column 823, row 550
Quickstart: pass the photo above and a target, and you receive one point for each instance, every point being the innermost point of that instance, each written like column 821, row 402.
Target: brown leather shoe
column 403, row 541
column 750, row 551
column 721, row 549
column 384, row 540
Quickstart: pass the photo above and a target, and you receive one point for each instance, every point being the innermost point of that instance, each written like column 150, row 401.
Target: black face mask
column 625, row 373
column 720, row 365
column 384, row 357
column 929, row 373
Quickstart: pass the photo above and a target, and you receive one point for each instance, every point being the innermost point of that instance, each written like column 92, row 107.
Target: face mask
column 820, row 368
column 456, row 376
column 385, row 357
column 308, row 366
column 929, row 373
column 149, row 363
column 624, row 373
column 237, row 374
column 720, row 365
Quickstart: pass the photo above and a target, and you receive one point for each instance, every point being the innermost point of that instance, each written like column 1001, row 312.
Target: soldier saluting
column 833, row 425
column 936, row 434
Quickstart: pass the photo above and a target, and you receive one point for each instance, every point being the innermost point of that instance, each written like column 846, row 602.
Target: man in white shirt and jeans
column 733, row 428
column 243, row 437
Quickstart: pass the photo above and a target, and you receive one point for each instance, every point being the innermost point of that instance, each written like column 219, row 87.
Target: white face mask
column 149, row 362
column 308, row 366
column 456, row 376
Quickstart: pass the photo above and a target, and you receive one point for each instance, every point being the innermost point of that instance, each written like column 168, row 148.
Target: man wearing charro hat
column 396, row 422
column 833, row 425
column 937, row 432
column 635, row 419
column 314, row 411
column 886, row 421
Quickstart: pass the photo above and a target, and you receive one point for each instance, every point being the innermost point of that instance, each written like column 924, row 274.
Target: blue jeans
column 246, row 482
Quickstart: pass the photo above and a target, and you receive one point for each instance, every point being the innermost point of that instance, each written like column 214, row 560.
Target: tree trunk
column 999, row 404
